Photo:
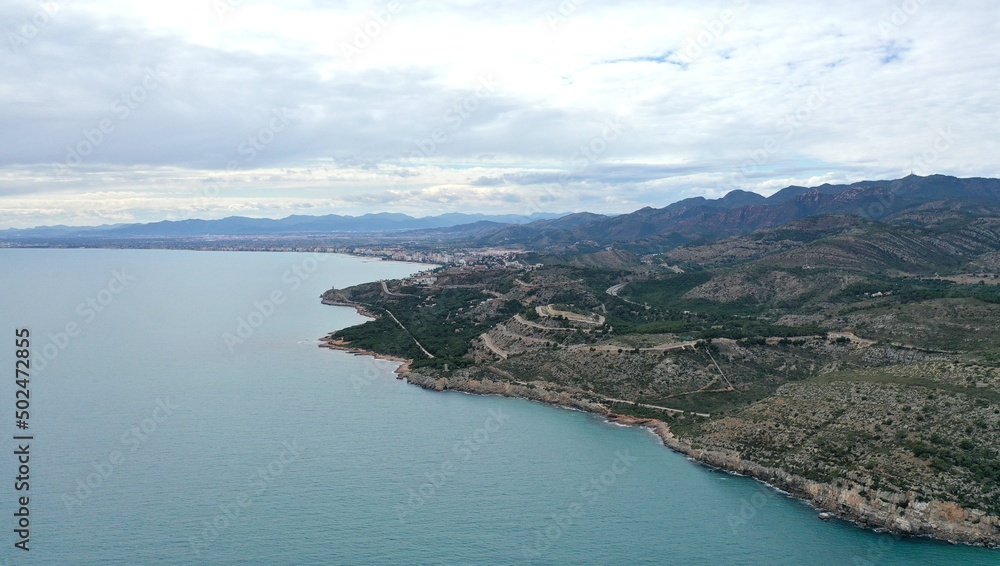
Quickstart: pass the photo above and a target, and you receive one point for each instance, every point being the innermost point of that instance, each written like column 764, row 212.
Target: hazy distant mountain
column 298, row 224
column 691, row 220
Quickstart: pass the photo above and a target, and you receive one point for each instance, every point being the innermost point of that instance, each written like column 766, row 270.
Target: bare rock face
column 906, row 514
column 507, row 389
column 903, row 513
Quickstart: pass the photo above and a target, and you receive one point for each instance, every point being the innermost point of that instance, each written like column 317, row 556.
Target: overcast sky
column 121, row 111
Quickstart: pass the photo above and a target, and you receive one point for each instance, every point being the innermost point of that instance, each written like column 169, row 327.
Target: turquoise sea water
column 167, row 431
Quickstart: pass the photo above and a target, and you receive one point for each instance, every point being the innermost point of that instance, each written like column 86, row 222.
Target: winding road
column 522, row 320
column 615, row 289
column 488, row 342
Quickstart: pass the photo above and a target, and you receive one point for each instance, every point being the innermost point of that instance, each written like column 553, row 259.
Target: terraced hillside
column 850, row 361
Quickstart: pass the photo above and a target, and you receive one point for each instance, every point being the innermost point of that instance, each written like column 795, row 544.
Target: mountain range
column 689, row 221
column 740, row 212
column 296, row 224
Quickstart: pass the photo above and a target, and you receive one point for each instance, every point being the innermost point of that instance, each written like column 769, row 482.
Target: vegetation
column 837, row 349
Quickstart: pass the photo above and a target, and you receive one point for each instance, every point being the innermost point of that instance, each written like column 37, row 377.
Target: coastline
column 898, row 513
column 359, row 308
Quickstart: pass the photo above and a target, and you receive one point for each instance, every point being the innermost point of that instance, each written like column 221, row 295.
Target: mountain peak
column 738, row 197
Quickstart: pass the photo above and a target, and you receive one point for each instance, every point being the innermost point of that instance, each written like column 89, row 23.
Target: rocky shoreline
column 899, row 513
column 359, row 308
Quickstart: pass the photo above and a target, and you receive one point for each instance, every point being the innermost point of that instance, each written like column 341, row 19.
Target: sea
column 180, row 411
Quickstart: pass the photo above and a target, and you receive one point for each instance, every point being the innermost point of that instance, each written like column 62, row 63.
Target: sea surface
column 182, row 413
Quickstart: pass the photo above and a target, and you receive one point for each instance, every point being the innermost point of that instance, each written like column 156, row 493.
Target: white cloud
column 711, row 96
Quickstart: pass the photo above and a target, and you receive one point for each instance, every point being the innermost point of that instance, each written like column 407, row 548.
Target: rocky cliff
column 902, row 513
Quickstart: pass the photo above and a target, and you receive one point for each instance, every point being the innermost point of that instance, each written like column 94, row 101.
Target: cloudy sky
column 120, row 111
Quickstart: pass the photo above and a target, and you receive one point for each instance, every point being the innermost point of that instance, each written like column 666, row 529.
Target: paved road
column 614, row 290
column 550, row 311
column 659, row 348
column 385, row 289
column 493, row 347
column 521, row 319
